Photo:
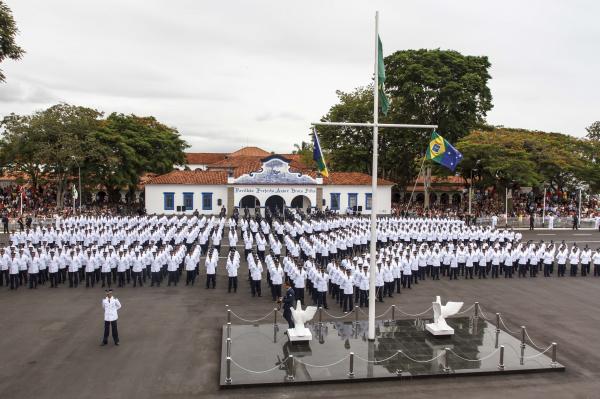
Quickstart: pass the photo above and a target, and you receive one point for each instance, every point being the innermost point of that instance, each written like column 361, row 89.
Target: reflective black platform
column 258, row 353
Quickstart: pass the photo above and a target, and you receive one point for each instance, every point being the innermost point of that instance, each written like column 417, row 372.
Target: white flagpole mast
column 373, row 248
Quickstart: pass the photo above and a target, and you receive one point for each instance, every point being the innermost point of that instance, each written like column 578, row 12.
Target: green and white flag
column 384, row 103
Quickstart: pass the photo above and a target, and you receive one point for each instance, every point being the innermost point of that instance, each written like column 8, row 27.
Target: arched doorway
column 456, row 198
column 300, row 201
column 420, row 198
column 433, row 198
column 249, row 201
column 444, row 199
column 275, row 202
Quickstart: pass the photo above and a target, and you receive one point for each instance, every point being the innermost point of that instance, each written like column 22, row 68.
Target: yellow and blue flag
column 442, row 152
column 318, row 155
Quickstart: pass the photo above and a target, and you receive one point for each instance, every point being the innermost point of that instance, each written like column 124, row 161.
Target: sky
column 233, row 73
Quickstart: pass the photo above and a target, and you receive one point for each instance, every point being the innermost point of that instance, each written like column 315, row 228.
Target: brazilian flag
column 442, row 152
column 318, row 155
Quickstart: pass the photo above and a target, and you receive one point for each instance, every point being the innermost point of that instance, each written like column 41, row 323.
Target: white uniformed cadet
column 111, row 306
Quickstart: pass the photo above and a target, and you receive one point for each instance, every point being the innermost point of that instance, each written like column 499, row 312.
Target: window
column 352, row 200
column 219, row 202
column 169, row 201
column 188, row 201
column 368, row 201
column 335, row 202
column 207, row 201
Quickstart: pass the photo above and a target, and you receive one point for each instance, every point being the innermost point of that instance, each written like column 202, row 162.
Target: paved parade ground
column 171, row 339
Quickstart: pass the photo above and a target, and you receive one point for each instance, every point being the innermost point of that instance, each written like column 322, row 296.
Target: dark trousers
column 232, row 284
column 435, row 272
column 89, row 279
column 190, row 277
column 106, row 279
column 155, row 279
column 547, row 269
column 322, row 299
column 348, row 304
column 469, row 272
column 481, row 272
column 276, row 291
column 494, row 271
column 299, row 295
column 14, row 281
column 585, row 269
column 364, row 297
column 53, row 279
column 121, row 276
column 211, row 280
column 172, row 277
column 508, row 271
column 454, row 273
column 115, row 332
column 33, row 280
column 574, row 268
column 137, row 278
column 406, row 279
column 73, row 279
column 255, row 288
column 4, row 277
column 287, row 315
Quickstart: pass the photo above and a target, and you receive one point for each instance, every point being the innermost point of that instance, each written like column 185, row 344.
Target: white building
column 247, row 178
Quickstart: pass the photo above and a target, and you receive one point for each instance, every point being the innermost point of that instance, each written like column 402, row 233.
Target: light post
column 544, row 206
column 471, row 188
column 79, row 172
column 579, row 209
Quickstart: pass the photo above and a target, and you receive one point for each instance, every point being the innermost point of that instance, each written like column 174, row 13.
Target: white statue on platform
column 300, row 332
column 440, row 312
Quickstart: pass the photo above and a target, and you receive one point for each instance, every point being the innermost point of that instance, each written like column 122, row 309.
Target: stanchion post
column 228, row 347
column 275, row 317
column 446, row 352
column 497, row 322
column 554, row 363
column 351, row 370
column 228, row 330
column 228, row 313
column 290, row 368
column 356, row 314
column 523, row 337
column 320, row 315
column 228, row 377
column 476, row 309
column 393, row 312
column 501, row 362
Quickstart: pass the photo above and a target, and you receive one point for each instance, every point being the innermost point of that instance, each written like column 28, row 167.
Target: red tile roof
column 204, row 158
column 353, row 179
column 192, row 177
column 250, row 151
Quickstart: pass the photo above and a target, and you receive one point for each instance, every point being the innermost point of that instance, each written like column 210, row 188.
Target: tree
column 8, row 32
column 112, row 152
column 593, row 131
column 518, row 157
column 425, row 87
column 305, row 151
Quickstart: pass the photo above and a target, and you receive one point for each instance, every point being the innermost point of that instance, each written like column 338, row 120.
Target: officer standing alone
column 110, row 305
column 288, row 303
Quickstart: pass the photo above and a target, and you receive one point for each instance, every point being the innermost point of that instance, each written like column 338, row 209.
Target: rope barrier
column 421, row 361
column 252, row 321
column 381, row 315
column 531, row 341
column 505, row 327
column 258, row 372
column 376, row 361
column 475, row 360
column 324, row 365
column 337, row 317
column 539, row 354
column 467, row 309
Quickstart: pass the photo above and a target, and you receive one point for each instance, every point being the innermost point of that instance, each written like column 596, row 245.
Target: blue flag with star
column 442, row 152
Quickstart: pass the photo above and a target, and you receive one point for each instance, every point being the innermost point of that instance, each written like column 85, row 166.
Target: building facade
column 273, row 181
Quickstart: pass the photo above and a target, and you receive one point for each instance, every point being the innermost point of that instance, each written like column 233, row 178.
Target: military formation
column 323, row 257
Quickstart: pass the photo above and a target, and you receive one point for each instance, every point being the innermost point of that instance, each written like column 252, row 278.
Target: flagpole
column 373, row 247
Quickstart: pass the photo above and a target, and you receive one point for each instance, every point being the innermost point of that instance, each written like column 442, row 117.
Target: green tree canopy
column 112, row 153
column 518, row 157
column 8, row 32
column 440, row 87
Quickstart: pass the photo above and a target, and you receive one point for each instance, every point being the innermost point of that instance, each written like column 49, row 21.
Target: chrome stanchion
column 501, row 363
column 498, row 322
column 228, row 330
column 554, row 363
column 290, row 368
column 393, row 312
column 523, row 337
column 351, row 371
column 228, row 377
column 355, row 314
column 228, row 347
column 228, row 314
column 476, row 309
column 275, row 317
column 445, row 357
column 320, row 315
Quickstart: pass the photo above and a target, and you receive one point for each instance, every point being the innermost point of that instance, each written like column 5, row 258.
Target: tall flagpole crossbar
column 375, row 125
